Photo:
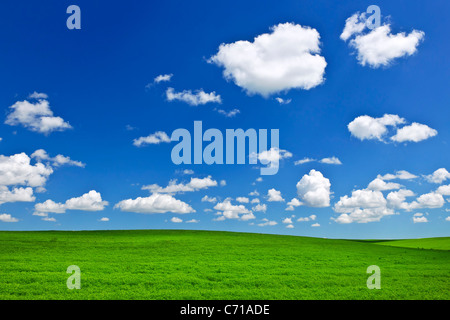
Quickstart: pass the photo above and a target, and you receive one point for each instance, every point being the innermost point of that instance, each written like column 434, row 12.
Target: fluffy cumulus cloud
column 310, row 218
column 260, row 207
column 293, row 203
column 156, row 203
column 274, row 195
column 368, row 128
column 5, row 217
column 266, row 222
column 230, row 211
column 415, row 132
column 314, row 189
column 287, row 58
column 194, row 184
column 380, row 185
column 362, row 207
column 16, row 195
column 91, row 201
column 36, row 115
column 59, row 160
column 419, row 218
column 401, row 174
column 196, row 98
column 154, row 138
column 439, row 176
column 18, row 170
column 379, row 47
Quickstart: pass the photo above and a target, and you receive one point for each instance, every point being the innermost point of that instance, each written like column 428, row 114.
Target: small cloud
column 282, row 101
column 155, row 138
column 200, row 97
column 176, row 220
column 163, row 78
column 104, row 219
column 228, row 114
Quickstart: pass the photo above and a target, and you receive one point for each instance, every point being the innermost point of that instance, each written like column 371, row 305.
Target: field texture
column 150, row 264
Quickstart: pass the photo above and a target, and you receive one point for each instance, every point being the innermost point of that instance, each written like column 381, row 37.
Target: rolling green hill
column 426, row 243
column 169, row 264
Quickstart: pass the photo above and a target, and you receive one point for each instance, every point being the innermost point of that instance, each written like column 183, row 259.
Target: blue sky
column 100, row 82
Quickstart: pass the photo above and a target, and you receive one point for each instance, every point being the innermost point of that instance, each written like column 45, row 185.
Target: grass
column 169, row 264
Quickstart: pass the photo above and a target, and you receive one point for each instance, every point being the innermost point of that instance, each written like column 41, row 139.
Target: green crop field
column 169, row 264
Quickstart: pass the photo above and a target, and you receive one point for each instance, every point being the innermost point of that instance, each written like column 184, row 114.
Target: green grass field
column 169, row 264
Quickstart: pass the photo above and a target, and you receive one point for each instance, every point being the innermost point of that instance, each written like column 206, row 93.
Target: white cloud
column 315, row 225
column 428, row 200
column 353, row 25
column 230, row 211
column 243, row 199
column 362, row 207
column 49, row 219
column 104, row 219
column 194, row 184
column 37, row 95
column 447, row 219
column 49, row 206
column 17, row 170
column 4, row 217
column 192, row 221
column 379, row 47
column 209, row 199
column 314, row 189
column 267, row 223
column 254, row 193
column 16, row 195
column 293, row 203
column 305, row 160
column 396, row 199
column 193, row 99
column 366, row 127
column 401, row 174
column 310, row 218
column 380, row 185
column 59, row 160
column 248, row 216
column 91, row 201
column 256, row 200
column 439, row 176
column 274, row 196
column 369, row 128
column 287, row 220
column 415, row 132
column 37, row 116
column 444, row 190
column 332, row 160
column 163, row 78
column 273, row 155
column 229, row 114
column 156, row 203
column 223, row 183
column 176, row 220
column 419, row 218
column 288, row 58
column 283, row 101
column 260, row 208
column 290, row 226
column 188, row 171
column 154, row 138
